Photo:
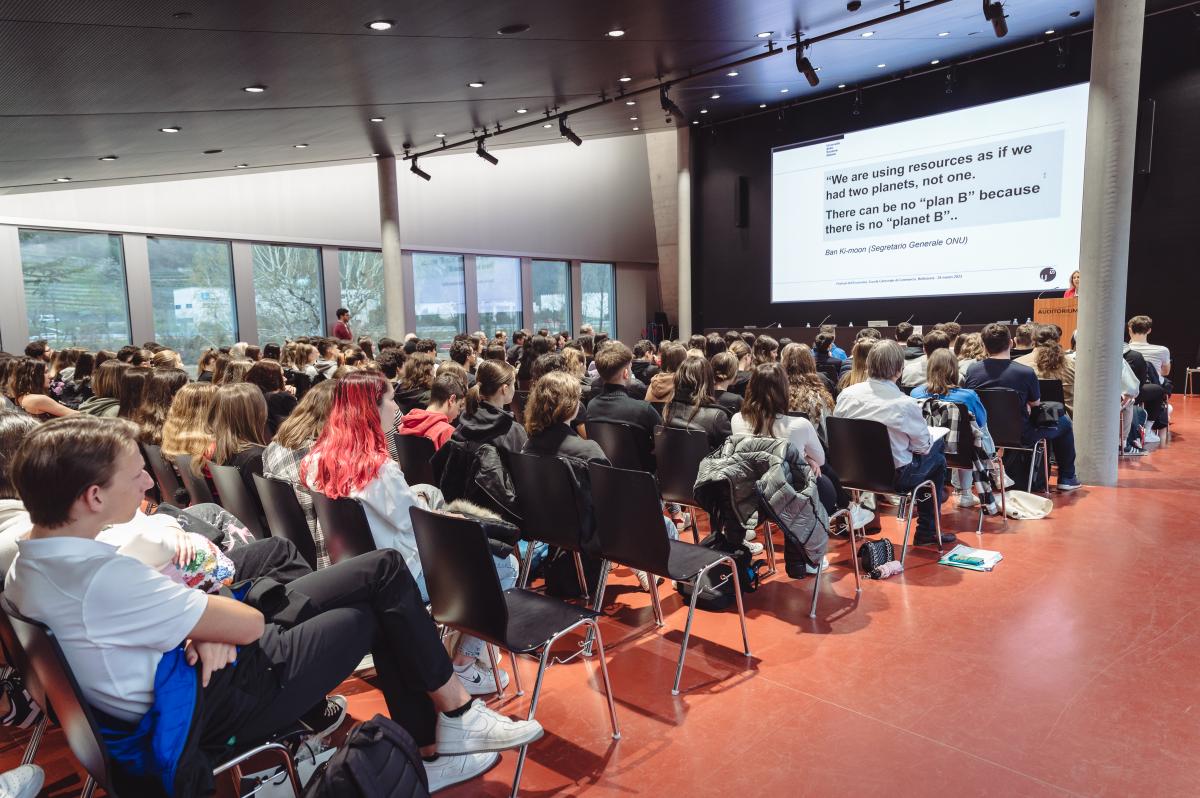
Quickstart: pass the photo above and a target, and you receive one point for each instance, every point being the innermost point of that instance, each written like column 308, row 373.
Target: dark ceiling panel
column 84, row 80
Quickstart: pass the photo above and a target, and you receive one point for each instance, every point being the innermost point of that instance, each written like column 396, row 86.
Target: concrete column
column 14, row 323
column 662, row 156
column 137, row 283
column 1104, row 243
column 684, row 228
column 389, row 234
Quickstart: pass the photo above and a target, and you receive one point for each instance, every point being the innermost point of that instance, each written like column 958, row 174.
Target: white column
column 14, row 323
column 684, row 229
column 1104, row 243
column 389, row 233
column 137, row 283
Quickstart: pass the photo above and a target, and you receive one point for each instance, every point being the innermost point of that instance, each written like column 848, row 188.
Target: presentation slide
column 977, row 201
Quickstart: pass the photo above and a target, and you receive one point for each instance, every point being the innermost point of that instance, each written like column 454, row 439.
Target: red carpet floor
column 1069, row 670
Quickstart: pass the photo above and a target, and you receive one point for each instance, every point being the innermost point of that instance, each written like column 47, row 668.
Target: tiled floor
column 1071, row 669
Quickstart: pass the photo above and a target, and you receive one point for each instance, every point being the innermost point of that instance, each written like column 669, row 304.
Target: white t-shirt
column 1157, row 356
column 798, row 431
column 114, row 616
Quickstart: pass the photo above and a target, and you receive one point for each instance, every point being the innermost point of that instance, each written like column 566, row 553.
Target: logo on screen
column 1048, row 274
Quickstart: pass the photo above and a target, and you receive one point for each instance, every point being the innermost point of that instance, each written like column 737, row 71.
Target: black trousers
column 277, row 558
column 367, row 603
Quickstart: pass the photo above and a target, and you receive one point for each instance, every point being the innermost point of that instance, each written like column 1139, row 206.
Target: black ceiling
column 83, row 80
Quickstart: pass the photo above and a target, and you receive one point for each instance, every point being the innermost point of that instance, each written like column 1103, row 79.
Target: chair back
column 165, row 478
column 965, row 456
column 620, row 443
column 197, row 487
column 413, row 453
column 860, row 450
column 831, row 369
column 460, row 574
column 285, row 516
column 1052, row 391
column 48, row 677
column 1006, row 420
column 629, row 518
column 517, row 406
column 546, row 495
column 345, row 526
column 679, row 452
column 237, row 499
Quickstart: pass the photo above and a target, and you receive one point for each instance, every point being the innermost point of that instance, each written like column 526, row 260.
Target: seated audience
column 915, row 455
column 714, row 344
column 236, row 371
column 766, row 413
column 185, row 430
column 128, row 658
column 206, row 364
column 1139, row 328
column 970, row 349
column 27, row 389
column 834, row 350
column 161, row 387
column 614, row 404
column 694, row 407
column 267, row 375
column 766, row 350
column 998, row 370
column 462, row 352
column 809, row 393
column 904, row 331
column 914, row 347
column 1023, row 340
column 662, row 384
column 446, row 397
column 725, row 371
column 1050, row 362
column 745, row 364
column 415, row 381
column 858, row 364
column 644, row 367
column 914, row 370
column 238, row 423
column 555, row 361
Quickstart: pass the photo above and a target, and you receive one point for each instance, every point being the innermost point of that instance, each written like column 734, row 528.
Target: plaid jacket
column 940, row 413
column 283, row 463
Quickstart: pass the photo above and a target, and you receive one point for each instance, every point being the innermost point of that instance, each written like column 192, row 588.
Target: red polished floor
column 1070, row 669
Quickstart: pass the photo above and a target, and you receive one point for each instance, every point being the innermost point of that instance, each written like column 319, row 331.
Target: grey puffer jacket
column 750, row 472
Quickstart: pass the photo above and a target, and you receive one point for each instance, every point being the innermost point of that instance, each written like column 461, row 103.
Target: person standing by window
column 341, row 327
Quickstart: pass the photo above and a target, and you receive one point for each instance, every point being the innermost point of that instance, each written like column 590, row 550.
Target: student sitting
column 915, row 456
column 614, row 404
column 554, row 361
column 809, row 393
column 998, row 370
column 858, row 364
column 914, row 370
column 238, row 424
column 1049, row 361
column 765, row 413
column 157, row 397
column 268, row 375
column 644, row 367
column 662, row 384
column 694, row 406
column 1023, row 341
column 745, row 363
column 725, row 371
column 121, row 623
column 446, row 397
column 834, row 350
column 415, row 381
column 27, row 387
column 350, row 458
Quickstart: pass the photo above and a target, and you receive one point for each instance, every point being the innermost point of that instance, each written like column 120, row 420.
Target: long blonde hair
column 185, row 430
column 305, row 423
column 858, row 367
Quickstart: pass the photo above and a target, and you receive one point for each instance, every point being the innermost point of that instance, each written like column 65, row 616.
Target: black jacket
column 472, row 466
column 562, row 441
column 730, row 401
column 644, row 370
column 280, row 405
column 616, row 405
column 913, row 352
column 739, row 383
column 712, row 420
column 409, row 398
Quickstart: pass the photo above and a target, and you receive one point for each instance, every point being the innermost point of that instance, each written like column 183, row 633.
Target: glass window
column 598, row 297
column 498, row 281
column 191, row 289
column 439, row 296
column 287, row 292
column 75, row 289
column 551, row 295
column 363, row 291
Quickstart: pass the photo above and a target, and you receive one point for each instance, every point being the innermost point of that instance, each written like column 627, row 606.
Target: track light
column 951, row 80
column 416, row 170
column 993, row 12
column 1063, row 49
column 567, row 133
column 856, row 109
column 668, row 104
column 484, row 154
column 805, row 67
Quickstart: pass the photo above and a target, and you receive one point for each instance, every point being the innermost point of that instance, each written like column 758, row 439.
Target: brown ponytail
column 490, row 377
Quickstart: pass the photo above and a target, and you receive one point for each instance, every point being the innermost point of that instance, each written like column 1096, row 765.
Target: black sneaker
column 929, row 538
column 324, row 718
column 24, row 712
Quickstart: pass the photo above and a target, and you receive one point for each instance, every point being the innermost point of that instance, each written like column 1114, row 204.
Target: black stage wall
column 732, row 265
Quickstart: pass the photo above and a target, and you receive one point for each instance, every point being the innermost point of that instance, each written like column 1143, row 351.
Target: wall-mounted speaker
column 741, row 201
column 1145, row 137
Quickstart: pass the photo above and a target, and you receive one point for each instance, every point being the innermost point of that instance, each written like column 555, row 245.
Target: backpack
column 716, row 588
column 378, row 760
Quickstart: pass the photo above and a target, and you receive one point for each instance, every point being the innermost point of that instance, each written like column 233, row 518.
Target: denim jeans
column 1062, row 438
column 928, row 466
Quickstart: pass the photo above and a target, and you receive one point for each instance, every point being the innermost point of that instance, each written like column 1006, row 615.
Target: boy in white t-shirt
column 1158, row 356
column 117, row 619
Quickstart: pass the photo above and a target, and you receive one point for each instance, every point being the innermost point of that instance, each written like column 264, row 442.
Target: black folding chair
column 465, row 594
column 344, row 525
column 625, row 445
column 549, row 513
column 679, row 452
column 1006, row 422
column 413, row 453
column 237, row 498
column 860, row 451
column 14, row 655
column 49, row 679
column 629, row 523
column 285, row 516
column 197, row 487
column 1052, row 391
column 170, row 490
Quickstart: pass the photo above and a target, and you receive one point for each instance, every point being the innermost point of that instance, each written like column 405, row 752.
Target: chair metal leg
column 89, row 788
column 812, row 611
column 599, row 600
column 687, row 629
column 526, row 567
column 737, row 596
column 495, row 670
column 769, row 543
column 516, row 673
column 907, row 526
column 1046, row 464
column 608, row 692
column 533, row 702
column 655, row 600
column 582, row 579
column 35, row 740
column 695, row 525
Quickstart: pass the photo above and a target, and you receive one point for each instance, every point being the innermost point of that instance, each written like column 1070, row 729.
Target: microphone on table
column 910, row 318
column 1039, row 296
column 822, row 321
column 956, row 318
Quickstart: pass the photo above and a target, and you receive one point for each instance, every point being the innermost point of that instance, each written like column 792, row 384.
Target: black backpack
column 716, row 588
column 378, row 760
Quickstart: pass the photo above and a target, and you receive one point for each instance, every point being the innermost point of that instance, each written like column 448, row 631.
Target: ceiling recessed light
column 522, row 110
column 784, row 91
column 631, row 102
column 547, row 125
column 695, row 121
column 762, row 105
column 182, row 15
column 1050, row 32
column 944, row 33
column 732, row 74
column 704, row 110
column 476, row 84
column 841, row 85
column 374, row 155
column 213, row 152
column 241, row 166
column 766, row 34
column 624, row 78
column 255, row 89
column 108, row 158
column 633, row 119
column 616, row 33
column 880, row 66
column 300, row 146
column 716, row 97
column 381, row 24
column 635, row 127
column 867, row 34
column 170, row 129
column 440, row 135
column 512, row 30
column 376, row 119
column 62, row 180
column 935, row 62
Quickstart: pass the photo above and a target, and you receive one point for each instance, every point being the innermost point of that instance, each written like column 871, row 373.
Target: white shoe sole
column 459, row 747
column 489, row 760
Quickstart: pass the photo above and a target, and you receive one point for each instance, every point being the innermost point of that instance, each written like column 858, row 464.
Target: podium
column 1063, row 311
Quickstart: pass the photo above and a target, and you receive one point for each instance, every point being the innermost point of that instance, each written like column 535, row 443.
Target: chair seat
column 685, row 560
column 533, row 619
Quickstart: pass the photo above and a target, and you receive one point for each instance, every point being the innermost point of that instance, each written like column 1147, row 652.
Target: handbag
column 874, row 553
column 1047, row 414
column 1023, row 506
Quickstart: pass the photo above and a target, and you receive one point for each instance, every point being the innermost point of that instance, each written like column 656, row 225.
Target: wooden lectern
column 1064, row 312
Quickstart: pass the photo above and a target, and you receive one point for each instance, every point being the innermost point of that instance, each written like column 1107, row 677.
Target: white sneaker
column 446, row 771
column 860, row 516
column 644, row 580
column 966, row 499
column 812, row 569
column 479, row 730
column 754, row 548
column 22, row 782
column 478, row 681
column 750, row 535
column 1152, row 436
column 992, row 509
